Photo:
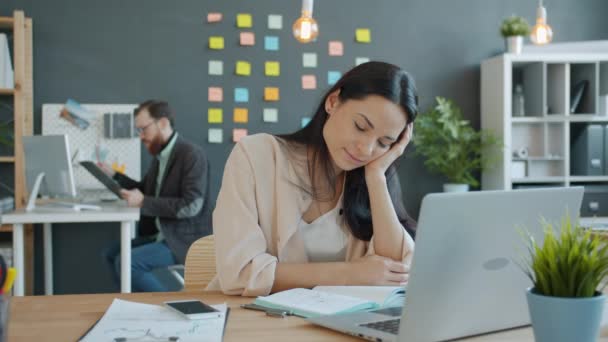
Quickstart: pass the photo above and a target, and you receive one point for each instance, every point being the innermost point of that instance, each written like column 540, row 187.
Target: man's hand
column 133, row 197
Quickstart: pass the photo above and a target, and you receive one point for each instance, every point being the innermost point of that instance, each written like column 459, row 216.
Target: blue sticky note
column 333, row 77
column 305, row 120
column 271, row 43
column 241, row 95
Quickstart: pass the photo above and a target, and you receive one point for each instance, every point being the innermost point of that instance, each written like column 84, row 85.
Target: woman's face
column 359, row 131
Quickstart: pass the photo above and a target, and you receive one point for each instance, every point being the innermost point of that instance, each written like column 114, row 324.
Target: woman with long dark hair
column 323, row 205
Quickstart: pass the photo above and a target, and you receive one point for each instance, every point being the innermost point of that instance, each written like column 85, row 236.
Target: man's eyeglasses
column 140, row 130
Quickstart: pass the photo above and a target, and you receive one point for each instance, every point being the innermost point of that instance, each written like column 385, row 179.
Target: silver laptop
column 465, row 278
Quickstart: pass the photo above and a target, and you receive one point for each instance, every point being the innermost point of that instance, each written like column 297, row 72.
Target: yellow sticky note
column 214, row 115
column 241, row 115
column 273, row 68
column 216, row 43
column 363, row 35
column 243, row 68
column 271, row 94
column 244, row 20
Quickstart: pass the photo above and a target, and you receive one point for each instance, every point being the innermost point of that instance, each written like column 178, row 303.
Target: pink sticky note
column 336, row 48
column 214, row 17
column 247, row 38
column 309, row 82
column 216, row 94
column 238, row 133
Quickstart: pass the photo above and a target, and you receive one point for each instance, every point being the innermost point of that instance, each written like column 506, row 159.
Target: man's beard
column 156, row 145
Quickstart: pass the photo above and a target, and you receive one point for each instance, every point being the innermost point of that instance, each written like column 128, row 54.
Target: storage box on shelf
column 548, row 111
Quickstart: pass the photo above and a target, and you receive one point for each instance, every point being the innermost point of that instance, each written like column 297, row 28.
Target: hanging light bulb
column 305, row 29
column 541, row 32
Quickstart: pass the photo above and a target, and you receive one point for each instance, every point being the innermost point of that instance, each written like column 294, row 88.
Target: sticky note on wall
column 214, row 115
column 275, row 21
column 241, row 115
column 309, row 60
column 243, row 68
column 272, row 68
column 214, row 17
column 333, row 77
column 216, row 42
column 215, row 94
column 271, row 94
column 309, row 82
column 238, row 134
column 215, row 135
column 271, row 43
column 361, row 60
column 241, row 95
column 363, row 35
column 336, row 48
column 247, row 39
column 216, row 67
column 305, row 121
column 244, row 20
column 271, row 115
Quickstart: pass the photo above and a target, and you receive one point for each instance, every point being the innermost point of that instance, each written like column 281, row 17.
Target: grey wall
column 119, row 51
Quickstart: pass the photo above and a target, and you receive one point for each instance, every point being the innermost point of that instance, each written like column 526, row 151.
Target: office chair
column 199, row 268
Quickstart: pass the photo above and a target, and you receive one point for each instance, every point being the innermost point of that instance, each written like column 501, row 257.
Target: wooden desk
column 109, row 213
column 67, row 317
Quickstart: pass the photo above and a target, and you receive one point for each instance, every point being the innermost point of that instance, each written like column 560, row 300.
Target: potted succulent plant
column 514, row 29
column 451, row 146
column 566, row 300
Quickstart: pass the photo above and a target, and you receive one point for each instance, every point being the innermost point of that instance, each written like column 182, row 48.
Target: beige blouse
column 257, row 214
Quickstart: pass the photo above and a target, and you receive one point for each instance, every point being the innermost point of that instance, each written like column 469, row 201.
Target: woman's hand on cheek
column 378, row 166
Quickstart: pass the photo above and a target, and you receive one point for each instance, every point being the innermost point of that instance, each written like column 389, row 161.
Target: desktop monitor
column 48, row 167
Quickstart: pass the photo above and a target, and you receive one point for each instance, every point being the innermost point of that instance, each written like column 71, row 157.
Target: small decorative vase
column 515, row 44
column 559, row 319
column 455, row 187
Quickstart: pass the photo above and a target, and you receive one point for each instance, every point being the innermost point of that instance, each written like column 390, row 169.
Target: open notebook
column 327, row 300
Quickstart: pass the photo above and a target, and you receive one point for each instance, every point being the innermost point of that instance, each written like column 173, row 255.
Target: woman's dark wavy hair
column 372, row 78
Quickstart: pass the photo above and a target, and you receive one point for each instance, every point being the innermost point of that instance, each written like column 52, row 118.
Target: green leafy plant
column 450, row 145
column 570, row 263
column 514, row 26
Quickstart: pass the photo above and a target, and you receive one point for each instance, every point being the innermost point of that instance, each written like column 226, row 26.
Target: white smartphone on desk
column 193, row 309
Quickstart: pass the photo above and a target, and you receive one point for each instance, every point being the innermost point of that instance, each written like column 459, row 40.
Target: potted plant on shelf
column 451, row 146
column 514, row 29
column 566, row 300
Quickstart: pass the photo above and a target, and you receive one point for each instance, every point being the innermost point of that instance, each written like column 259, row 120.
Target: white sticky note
column 216, row 67
column 215, row 135
column 309, row 60
column 361, row 60
column 275, row 21
column 271, row 115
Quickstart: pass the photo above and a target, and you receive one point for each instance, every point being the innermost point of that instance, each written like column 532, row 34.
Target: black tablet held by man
column 101, row 176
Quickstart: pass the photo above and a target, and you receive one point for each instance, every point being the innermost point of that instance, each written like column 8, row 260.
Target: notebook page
column 376, row 294
column 322, row 303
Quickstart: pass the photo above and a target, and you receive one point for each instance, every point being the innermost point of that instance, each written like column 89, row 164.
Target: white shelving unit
column 548, row 124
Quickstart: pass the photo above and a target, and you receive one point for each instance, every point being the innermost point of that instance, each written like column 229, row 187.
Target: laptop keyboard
column 393, row 312
column 390, row 326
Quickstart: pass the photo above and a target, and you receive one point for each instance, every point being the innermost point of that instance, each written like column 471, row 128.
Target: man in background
column 173, row 197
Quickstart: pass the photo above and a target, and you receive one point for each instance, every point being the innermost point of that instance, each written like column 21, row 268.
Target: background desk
column 109, row 213
column 66, row 318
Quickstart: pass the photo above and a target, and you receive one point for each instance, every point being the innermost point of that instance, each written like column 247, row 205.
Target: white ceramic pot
column 454, row 187
column 515, row 44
